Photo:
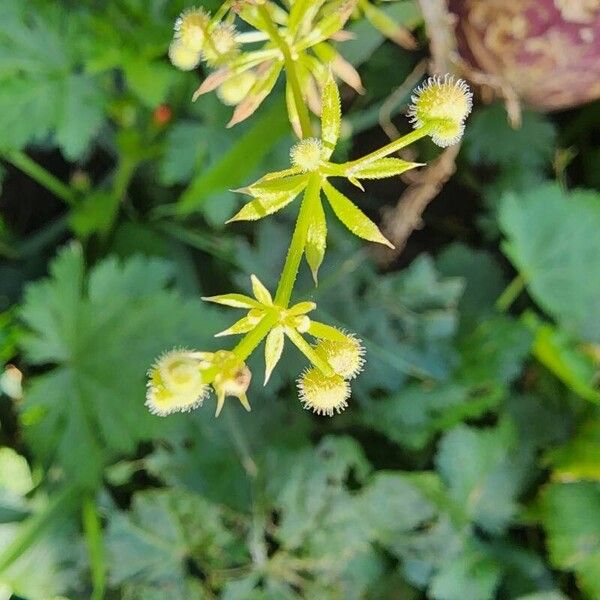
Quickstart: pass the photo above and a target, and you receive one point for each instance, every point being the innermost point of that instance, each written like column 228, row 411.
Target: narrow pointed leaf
column 316, row 239
column 267, row 77
column 382, row 168
column 326, row 332
column 268, row 187
column 331, row 117
column 249, row 13
column 273, row 350
column 220, row 403
column 271, row 196
column 356, row 183
column 327, row 26
column 261, row 293
column 240, row 65
column 244, row 402
column 292, row 109
column 302, row 14
column 234, row 300
column 244, row 325
column 212, row 82
column 317, row 69
column 302, row 308
column 271, row 177
column 388, row 27
column 352, row 217
column 347, row 73
column 341, row 68
column 257, row 209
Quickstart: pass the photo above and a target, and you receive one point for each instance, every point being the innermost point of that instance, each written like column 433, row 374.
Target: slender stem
column 93, row 536
column 309, row 352
column 252, row 339
column 390, row 148
column 41, row 175
column 510, row 294
column 290, row 70
column 296, row 250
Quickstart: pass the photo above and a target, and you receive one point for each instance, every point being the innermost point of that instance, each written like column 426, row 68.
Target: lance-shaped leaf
column 271, row 177
column 266, row 79
column 269, row 197
column 301, row 308
column 275, row 184
column 248, row 12
column 302, row 14
column 244, row 325
column 331, row 117
column 326, row 332
column 381, row 168
column 273, row 350
column 340, row 67
column 327, row 26
column 310, row 86
column 240, row 65
column 352, row 217
column 234, row 300
column 292, row 109
column 261, row 293
column 316, row 239
column 388, row 27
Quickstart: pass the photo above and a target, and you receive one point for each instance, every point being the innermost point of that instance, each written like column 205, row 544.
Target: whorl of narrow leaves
column 243, row 79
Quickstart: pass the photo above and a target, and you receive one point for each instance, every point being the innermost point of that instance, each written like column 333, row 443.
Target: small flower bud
column 183, row 57
column 190, row 28
column 306, row 154
column 222, row 45
column 323, row 395
column 345, row 357
column 175, row 384
column 232, row 378
column 443, row 104
column 235, row 89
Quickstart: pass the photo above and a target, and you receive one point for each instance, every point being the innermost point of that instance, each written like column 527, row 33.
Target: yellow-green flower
column 322, row 394
column 231, row 378
column 191, row 28
column 180, row 380
column 290, row 322
column 183, row 57
column 345, row 354
column 302, row 34
column 442, row 104
column 175, row 383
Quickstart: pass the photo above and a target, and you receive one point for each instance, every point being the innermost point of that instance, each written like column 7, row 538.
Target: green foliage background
column 468, row 464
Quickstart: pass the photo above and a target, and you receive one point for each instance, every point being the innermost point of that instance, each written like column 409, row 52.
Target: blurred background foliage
column 468, row 464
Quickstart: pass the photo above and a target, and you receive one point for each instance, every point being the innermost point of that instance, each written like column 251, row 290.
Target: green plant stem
column 510, row 294
column 93, row 536
column 37, row 524
column 296, row 250
column 252, row 339
column 41, row 175
column 309, row 352
column 290, row 70
column 390, row 148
